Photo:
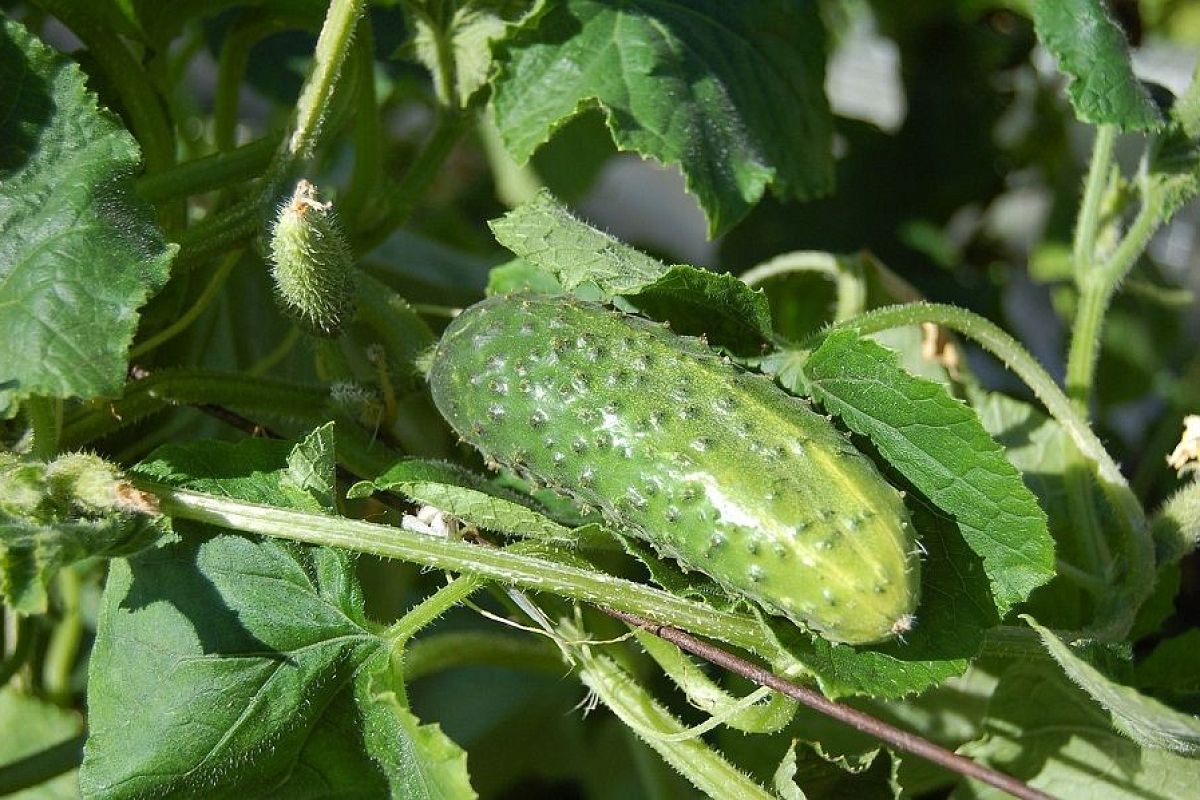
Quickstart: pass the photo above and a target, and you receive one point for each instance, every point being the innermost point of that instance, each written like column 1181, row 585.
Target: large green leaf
column 231, row 666
column 732, row 92
column 1173, row 168
column 78, row 253
column 1047, row 732
column 939, row 445
column 1091, row 49
column 1144, row 719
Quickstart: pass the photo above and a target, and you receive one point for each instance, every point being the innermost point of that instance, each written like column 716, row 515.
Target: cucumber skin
column 714, row 466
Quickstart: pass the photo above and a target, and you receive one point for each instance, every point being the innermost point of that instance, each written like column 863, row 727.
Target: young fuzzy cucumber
column 715, row 467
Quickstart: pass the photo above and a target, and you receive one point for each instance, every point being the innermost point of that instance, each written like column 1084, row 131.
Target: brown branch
column 888, row 734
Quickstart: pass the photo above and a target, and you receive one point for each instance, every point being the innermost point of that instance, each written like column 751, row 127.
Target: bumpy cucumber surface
column 714, row 466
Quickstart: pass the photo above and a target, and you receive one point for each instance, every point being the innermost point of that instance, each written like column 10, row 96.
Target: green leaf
column 722, row 307
column 41, row 725
column 546, row 234
column 955, row 610
column 464, row 495
column 1143, row 719
column 273, row 668
column 51, row 515
column 807, row 770
column 939, row 445
column 734, row 94
column 472, row 32
column 1173, row 168
column 1047, row 732
column 519, row 275
column 78, row 253
column 575, row 257
column 1090, row 48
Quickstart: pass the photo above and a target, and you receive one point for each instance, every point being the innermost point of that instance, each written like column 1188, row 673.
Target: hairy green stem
column 507, row 567
column 1096, row 289
column 442, row 651
column 846, row 273
column 704, row 767
column 1088, row 223
column 435, row 605
column 217, row 234
column 208, row 172
column 210, row 292
column 315, row 101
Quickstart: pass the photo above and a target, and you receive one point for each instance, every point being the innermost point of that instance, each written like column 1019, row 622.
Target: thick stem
column 209, row 172
column 316, row 97
column 888, row 734
column 506, row 567
column 217, row 234
column 195, row 387
column 63, row 648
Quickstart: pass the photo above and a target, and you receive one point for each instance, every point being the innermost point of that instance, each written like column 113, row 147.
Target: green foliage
column 738, row 113
column 264, row 642
column 224, row 593
column 1090, row 47
column 79, row 254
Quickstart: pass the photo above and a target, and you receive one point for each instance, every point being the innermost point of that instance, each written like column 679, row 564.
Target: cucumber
column 715, row 467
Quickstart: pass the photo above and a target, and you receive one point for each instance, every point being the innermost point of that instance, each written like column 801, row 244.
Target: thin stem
column 277, row 354
column 403, row 199
column 442, row 651
column 245, row 32
column 1093, row 195
column 507, row 567
column 209, row 172
column 888, row 734
column 41, row 766
column 368, row 129
column 435, row 605
column 1097, row 288
column 188, row 317
column 1082, row 578
column 18, row 644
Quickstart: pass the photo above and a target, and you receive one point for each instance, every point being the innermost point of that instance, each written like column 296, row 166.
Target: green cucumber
column 715, row 467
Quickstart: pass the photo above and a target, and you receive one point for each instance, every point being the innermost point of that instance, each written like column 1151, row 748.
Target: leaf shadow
column 25, row 106
column 173, row 574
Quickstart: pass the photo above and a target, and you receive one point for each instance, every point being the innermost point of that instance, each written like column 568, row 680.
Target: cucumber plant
column 361, row 491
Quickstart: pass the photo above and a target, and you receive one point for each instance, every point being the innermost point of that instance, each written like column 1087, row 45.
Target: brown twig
column 888, row 734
